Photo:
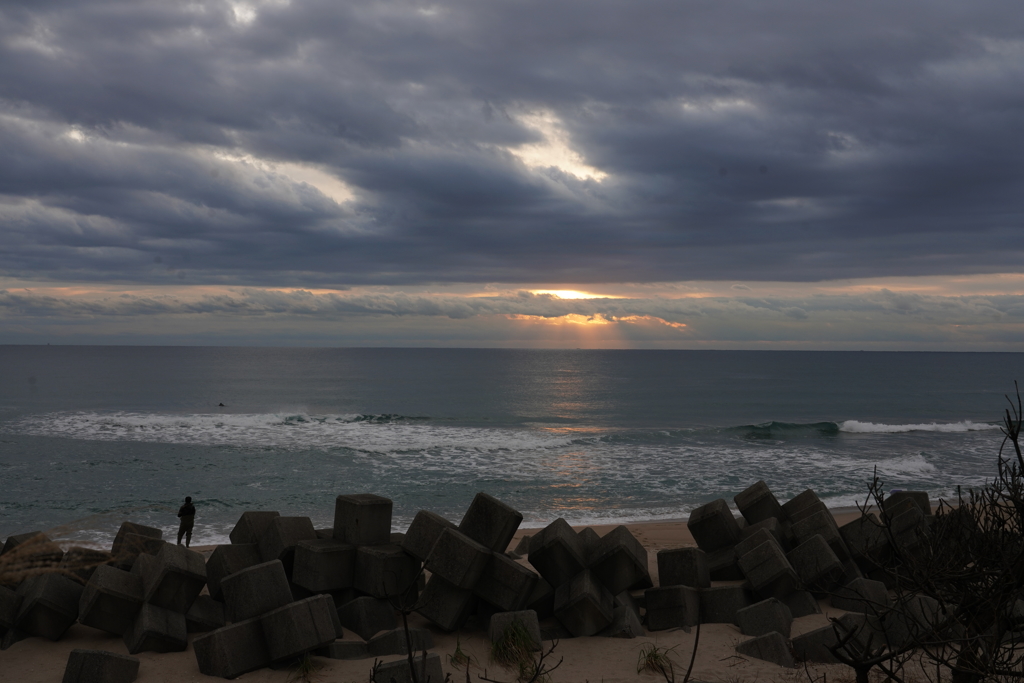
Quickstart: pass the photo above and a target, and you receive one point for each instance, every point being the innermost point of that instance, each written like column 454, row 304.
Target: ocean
column 91, row 436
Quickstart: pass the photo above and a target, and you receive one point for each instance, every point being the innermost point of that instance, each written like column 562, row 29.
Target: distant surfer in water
column 187, row 514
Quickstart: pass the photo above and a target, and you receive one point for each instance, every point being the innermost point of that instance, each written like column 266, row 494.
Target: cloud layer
column 325, row 144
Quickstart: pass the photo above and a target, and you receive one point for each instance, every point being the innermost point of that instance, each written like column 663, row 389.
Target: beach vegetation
column 307, row 669
column 514, row 650
column 537, row 669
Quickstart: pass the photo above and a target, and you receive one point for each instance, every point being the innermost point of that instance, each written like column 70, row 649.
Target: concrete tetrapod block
column 324, row 565
column 282, row 535
column 862, row 595
column 366, row 616
column 79, row 563
column 764, row 617
column 768, row 571
column 619, row 560
column 557, row 553
column 817, row 566
column 910, row 533
column 394, row 642
column 683, row 567
column 505, row 583
column 770, row 647
column 205, row 614
column 457, row 559
column 801, row 604
column 251, row 525
column 863, row 636
column 15, row 540
column 99, row 666
column 124, row 545
column 363, row 519
column 821, row 522
column 625, row 624
column 866, row 540
column 772, row 525
column 228, row 559
column 299, row 627
column 806, row 512
column 423, row 533
column 49, row 605
column 804, row 500
column 542, row 599
column 232, row 650
column 10, row 601
column 589, row 539
column 255, row 590
column 913, row 620
column 500, row 621
column 523, row 547
column 627, row 599
column 713, row 526
column 428, row 670
column 723, row 565
column 720, row 604
column 386, row 571
column 672, row 607
column 751, row 541
column 156, row 629
column 446, row 604
column 110, row 600
column 490, row 522
column 757, row 503
column 344, row 649
column 583, row 605
column 178, row 578
column 919, row 498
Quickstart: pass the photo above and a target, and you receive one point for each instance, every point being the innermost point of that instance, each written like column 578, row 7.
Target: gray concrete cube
column 299, row 627
column 505, row 583
column 770, row 647
column 324, row 565
column 363, row 519
column 811, row 509
column 557, row 553
column 913, row 620
column 490, row 522
column 713, row 526
column 768, row 571
column 805, row 499
column 344, row 649
column 751, row 541
column 156, row 629
column 366, row 616
column 423, row 533
column 821, row 523
column 723, row 565
column 757, row 503
column 128, row 544
column 817, row 566
column 428, row 670
column 281, row 536
column 49, row 605
column 394, row 642
column 502, row 620
column 14, row 540
column 176, row 579
column 919, row 498
column 720, row 604
column 619, row 560
column 683, row 567
column 205, row 614
column 255, row 590
column 862, row 595
column 251, row 525
column 110, row 600
column 10, row 601
column 446, row 604
column 764, row 617
column 672, row 607
column 589, row 540
column 867, row 542
column 583, row 605
column 386, row 571
column 99, row 666
column 457, row 559
column 910, row 533
column 228, row 559
column 802, row 603
column 542, row 599
column 625, row 624
column 232, row 650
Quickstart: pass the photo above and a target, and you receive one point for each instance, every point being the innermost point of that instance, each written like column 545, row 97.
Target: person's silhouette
column 187, row 514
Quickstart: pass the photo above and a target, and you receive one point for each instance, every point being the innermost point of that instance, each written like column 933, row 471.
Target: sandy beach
column 35, row 660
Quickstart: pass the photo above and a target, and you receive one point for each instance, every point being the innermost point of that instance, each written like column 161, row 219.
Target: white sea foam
column 289, row 432
column 857, row 427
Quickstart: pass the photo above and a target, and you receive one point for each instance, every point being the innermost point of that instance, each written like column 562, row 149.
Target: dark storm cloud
column 144, row 141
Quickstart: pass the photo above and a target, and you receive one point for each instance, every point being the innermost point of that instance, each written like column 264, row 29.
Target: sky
column 513, row 173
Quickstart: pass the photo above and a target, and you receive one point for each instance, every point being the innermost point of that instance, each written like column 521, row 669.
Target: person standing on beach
column 187, row 514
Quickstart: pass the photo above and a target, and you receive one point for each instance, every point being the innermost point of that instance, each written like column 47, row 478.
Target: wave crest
column 858, row 427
